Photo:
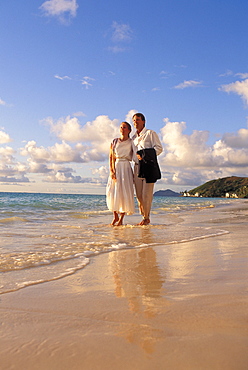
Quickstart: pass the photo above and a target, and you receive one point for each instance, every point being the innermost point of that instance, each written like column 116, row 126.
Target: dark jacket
column 148, row 166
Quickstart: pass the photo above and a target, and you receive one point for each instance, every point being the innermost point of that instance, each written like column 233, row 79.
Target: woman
column 120, row 189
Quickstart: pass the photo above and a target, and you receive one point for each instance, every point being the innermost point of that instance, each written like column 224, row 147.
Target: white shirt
column 147, row 139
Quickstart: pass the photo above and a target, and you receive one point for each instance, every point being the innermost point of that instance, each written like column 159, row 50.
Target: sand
column 179, row 306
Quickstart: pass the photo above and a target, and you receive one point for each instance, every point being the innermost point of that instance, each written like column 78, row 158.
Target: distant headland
column 166, row 193
column 227, row 187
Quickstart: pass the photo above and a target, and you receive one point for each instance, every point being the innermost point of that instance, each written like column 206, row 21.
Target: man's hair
column 141, row 115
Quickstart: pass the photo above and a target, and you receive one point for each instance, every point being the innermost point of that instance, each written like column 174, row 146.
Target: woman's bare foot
column 116, row 219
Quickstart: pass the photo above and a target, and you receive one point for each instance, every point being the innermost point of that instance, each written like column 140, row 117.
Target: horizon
column 156, row 191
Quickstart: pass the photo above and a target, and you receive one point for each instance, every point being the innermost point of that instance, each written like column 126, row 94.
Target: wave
column 13, row 219
column 35, row 276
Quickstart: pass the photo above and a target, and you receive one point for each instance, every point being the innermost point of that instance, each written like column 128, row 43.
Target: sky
column 72, row 70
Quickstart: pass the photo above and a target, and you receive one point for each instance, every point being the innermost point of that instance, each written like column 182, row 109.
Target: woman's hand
column 113, row 175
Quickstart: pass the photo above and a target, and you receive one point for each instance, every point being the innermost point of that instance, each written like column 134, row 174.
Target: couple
column 143, row 149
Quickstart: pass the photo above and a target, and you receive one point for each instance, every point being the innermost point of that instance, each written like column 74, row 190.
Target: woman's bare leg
column 115, row 219
column 121, row 219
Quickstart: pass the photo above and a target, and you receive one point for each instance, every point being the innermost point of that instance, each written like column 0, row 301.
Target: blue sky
column 72, row 70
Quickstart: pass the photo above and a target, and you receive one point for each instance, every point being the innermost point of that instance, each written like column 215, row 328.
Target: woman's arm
column 112, row 162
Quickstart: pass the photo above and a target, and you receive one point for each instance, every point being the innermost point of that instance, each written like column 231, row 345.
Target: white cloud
column 102, row 172
column 7, row 151
column 188, row 159
column 238, row 87
column 117, row 49
column 64, row 153
column 2, row 102
column 11, row 180
column 239, row 140
column 230, row 157
column 130, row 114
column 59, row 8
column 181, row 66
column 121, row 32
column 62, row 78
column 4, row 138
column 55, row 172
column 86, row 84
column 63, row 175
column 189, row 83
column 97, row 134
column 11, row 172
column 242, row 75
column 180, row 176
column 165, row 74
column 86, row 81
column 87, row 78
column 59, row 153
column 68, row 128
column 6, row 155
column 227, row 73
column 79, row 114
column 38, row 154
column 36, row 167
column 185, row 150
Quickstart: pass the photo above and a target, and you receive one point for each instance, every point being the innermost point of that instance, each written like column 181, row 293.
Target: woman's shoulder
column 114, row 142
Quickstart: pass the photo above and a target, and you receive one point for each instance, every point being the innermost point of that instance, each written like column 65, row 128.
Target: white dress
column 120, row 192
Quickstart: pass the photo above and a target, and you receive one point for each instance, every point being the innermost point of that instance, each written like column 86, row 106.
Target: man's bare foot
column 145, row 221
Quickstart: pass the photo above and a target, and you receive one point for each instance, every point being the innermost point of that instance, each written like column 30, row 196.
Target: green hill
column 233, row 187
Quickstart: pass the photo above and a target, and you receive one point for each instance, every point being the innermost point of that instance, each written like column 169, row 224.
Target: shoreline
column 177, row 306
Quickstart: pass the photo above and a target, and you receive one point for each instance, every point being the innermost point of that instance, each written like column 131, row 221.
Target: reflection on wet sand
column 138, row 278
column 138, row 236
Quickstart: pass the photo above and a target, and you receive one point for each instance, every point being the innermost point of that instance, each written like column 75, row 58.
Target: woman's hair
column 128, row 125
column 141, row 115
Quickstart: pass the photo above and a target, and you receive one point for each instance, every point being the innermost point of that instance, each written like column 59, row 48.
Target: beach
column 178, row 305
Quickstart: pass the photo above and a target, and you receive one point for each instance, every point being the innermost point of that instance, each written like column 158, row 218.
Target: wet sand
column 178, row 306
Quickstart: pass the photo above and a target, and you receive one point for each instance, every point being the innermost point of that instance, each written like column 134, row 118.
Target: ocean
column 44, row 237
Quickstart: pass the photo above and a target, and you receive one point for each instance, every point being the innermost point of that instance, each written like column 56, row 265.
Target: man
column 144, row 139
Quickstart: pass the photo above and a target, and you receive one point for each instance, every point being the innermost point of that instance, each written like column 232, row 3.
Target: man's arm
column 156, row 143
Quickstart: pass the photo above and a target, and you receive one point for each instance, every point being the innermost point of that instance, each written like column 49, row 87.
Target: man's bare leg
column 147, row 196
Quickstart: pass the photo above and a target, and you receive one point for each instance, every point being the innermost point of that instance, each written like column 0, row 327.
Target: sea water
column 44, row 237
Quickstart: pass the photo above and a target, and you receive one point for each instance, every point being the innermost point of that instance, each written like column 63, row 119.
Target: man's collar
column 142, row 131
